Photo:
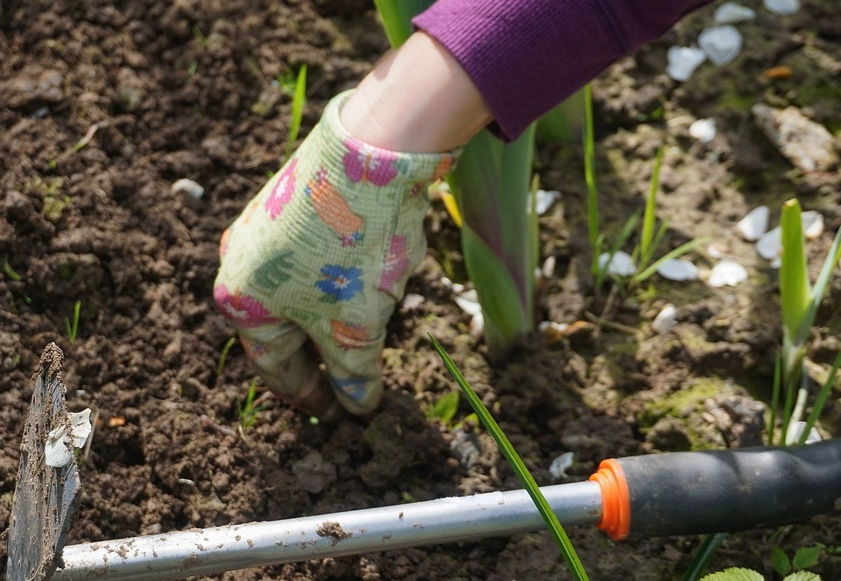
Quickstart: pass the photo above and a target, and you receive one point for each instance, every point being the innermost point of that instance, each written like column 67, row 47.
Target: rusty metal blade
column 45, row 497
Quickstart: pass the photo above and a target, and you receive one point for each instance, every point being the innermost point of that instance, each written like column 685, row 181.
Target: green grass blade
column 590, row 171
column 525, row 477
column 675, row 253
column 821, row 398
column 650, row 216
column 819, row 289
column 299, row 101
column 703, row 556
column 775, row 398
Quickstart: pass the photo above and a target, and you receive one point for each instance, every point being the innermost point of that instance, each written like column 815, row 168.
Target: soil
column 104, row 105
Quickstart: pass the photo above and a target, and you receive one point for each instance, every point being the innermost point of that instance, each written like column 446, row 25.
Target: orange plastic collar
column 616, row 500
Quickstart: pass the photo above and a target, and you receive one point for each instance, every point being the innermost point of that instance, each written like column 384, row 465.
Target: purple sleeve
column 526, row 56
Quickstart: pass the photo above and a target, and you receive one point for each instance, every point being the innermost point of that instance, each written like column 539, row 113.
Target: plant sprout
column 299, row 101
column 251, row 406
column 71, row 326
column 799, row 302
column 523, row 474
column 223, row 357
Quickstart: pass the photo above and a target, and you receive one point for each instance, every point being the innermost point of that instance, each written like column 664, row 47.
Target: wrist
column 417, row 99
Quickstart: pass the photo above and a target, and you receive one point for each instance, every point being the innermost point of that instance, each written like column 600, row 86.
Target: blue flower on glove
column 340, row 284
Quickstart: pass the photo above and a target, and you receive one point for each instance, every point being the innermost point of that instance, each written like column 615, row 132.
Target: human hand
column 317, row 261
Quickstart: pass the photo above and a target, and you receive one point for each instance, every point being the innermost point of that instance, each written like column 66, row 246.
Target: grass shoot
column 223, row 357
column 299, row 101
column 523, row 474
column 799, row 302
column 252, row 406
column 71, row 325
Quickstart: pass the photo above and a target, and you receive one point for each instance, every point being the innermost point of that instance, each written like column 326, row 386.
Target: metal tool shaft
column 218, row 549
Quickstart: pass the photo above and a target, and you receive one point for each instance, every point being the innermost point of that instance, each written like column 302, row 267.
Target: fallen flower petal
column 754, row 224
column 678, row 269
column 620, row 264
column 727, row 273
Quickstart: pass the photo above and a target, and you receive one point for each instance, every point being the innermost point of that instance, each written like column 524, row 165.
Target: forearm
column 526, row 56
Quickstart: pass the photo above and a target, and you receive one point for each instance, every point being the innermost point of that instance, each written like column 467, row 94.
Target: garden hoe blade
column 45, row 497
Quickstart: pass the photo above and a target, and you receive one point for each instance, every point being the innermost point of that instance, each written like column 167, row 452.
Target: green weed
column 223, row 357
column 71, row 325
column 251, row 407
column 523, row 474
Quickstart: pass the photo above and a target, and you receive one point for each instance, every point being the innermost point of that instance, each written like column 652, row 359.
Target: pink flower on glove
column 282, row 191
column 369, row 165
column 396, row 264
column 243, row 310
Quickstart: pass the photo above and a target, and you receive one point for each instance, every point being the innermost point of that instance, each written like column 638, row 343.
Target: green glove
column 320, row 257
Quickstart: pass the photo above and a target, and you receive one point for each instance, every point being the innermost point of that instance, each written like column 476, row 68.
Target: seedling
column 251, row 407
column 444, row 410
column 71, row 326
column 299, row 101
column 223, row 357
column 799, row 302
column 650, row 238
column 9, row 271
column 523, row 474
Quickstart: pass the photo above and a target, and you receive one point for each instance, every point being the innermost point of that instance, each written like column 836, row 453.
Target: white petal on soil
column 545, row 199
column 727, row 273
column 703, row 130
column 721, row 44
column 678, row 269
column 665, row 319
column 188, row 187
column 683, row 60
column 782, row 7
column 795, row 430
column 620, row 265
column 58, row 450
column 770, row 245
column 469, row 302
column 731, row 13
column 812, row 224
column 754, row 224
column 560, row 465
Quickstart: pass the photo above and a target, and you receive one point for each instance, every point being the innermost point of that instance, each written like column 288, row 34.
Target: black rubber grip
column 682, row 493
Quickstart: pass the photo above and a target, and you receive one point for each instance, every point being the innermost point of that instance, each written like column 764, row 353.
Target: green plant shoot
column 71, row 325
column 299, row 101
column 523, row 474
column 251, row 407
column 223, row 357
column 799, row 302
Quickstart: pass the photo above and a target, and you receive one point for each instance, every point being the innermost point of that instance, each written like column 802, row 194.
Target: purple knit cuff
column 526, row 56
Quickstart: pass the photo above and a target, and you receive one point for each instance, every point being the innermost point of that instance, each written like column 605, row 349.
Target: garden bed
column 103, row 106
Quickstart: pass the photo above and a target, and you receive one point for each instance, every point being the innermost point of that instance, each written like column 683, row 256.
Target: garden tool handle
column 688, row 493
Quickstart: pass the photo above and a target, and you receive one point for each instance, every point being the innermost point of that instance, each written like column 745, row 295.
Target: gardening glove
column 317, row 260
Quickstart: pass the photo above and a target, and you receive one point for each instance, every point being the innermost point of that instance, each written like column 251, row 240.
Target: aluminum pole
column 218, row 549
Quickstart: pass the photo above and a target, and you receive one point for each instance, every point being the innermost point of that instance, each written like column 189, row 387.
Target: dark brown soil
column 104, row 105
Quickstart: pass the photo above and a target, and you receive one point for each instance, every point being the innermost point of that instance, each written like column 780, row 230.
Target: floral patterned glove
column 320, row 257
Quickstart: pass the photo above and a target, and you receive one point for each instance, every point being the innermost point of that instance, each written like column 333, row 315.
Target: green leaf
column 734, row 574
column 525, row 477
column 807, row 557
column 650, row 215
column 396, row 16
column 445, row 408
column 505, row 314
column 780, row 561
column 803, row 576
column 794, row 278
